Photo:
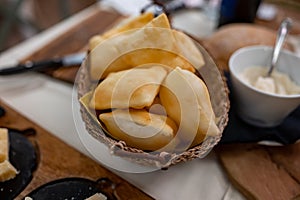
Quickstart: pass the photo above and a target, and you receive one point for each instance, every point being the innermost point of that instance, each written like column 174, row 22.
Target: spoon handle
column 284, row 28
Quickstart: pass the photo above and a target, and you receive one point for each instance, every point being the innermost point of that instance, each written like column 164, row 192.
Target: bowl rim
column 264, row 48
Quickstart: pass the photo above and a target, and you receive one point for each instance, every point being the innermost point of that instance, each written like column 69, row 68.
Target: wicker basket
column 219, row 98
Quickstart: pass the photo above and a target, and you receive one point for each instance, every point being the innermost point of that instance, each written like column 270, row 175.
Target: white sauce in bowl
column 277, row 83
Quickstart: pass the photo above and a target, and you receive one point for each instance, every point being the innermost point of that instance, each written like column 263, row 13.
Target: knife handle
column 30, row 66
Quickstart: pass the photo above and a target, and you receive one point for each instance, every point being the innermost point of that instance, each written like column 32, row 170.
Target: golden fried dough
column 186, row 100
column 139, row 128
column 134, row 88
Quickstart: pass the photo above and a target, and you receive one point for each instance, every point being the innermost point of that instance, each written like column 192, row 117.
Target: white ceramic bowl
column 257, row 107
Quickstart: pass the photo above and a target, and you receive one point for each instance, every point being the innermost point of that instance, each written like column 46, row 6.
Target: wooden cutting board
column 263, row 172
column 259, row 172
column 59, row 160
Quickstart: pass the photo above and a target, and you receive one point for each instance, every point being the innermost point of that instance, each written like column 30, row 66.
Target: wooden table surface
column 59, row 160
column 75, row 40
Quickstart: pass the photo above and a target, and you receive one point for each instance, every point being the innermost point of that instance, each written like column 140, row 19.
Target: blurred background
column 21, row 19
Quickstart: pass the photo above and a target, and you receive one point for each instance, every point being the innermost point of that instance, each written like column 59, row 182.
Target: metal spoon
column 283, row 30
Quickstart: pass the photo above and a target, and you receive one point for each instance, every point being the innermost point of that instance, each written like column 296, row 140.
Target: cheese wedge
column 7, row 171
column 97, row 196
column 3, row 144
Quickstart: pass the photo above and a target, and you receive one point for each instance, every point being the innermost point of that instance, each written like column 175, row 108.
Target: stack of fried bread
column 146, row 91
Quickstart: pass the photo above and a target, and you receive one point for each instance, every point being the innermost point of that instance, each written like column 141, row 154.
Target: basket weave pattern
column 214, row 80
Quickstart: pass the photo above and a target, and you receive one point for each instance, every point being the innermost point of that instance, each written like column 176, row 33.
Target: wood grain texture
column 261, row 172
column 229, row 38
column 75, row 40
column 287, row 157
column 59, row 160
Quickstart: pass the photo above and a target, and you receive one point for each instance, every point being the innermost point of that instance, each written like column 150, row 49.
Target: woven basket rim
column 162, row 159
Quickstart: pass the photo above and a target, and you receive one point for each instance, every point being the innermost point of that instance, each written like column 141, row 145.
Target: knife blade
column 64, row 61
